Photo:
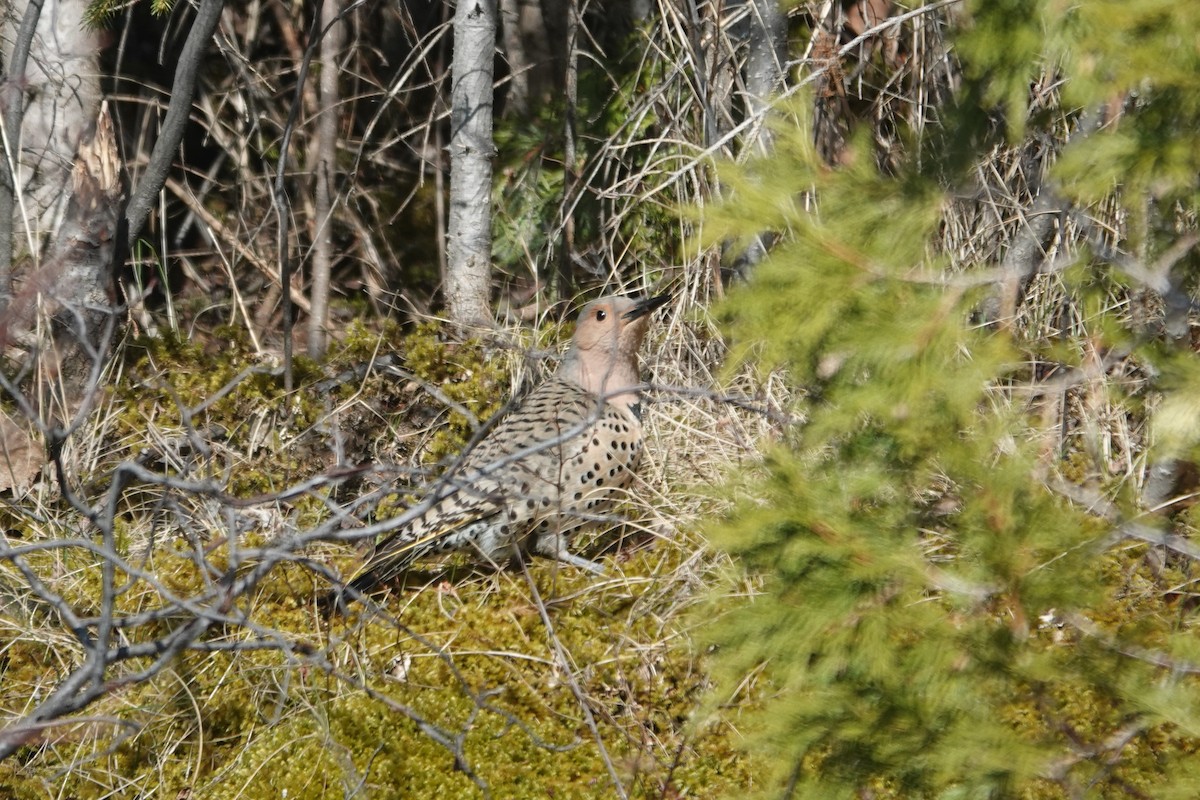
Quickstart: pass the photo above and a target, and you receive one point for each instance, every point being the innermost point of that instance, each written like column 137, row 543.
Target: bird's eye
column 601, row 314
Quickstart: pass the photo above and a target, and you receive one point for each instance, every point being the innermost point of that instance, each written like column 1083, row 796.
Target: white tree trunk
column 766, row 42
column 327, row 133
column 61, row 87
column 469, row 239
column 62, row 317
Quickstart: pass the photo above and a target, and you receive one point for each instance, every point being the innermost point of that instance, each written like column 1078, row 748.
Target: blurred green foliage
column 938, row 619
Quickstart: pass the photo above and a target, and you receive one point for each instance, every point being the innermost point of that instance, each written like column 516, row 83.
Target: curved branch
column 182, row 90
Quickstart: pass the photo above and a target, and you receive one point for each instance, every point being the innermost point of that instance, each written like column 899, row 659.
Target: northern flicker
column 556, row 463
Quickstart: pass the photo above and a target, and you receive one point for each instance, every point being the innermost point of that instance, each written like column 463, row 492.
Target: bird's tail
column 388, row 561
column 391, row 559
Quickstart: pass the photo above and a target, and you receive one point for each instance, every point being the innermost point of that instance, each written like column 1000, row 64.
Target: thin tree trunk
column 145, row 195
column 531, row 66
column 327, row 132
column 516, row 101
column 469, row 240
column 766, row 43
column 566, row 254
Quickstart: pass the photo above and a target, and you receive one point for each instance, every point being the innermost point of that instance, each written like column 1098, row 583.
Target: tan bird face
column 615, row 323
column 603, row 355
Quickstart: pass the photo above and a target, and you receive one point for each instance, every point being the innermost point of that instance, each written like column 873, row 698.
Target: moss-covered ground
column 539, row 683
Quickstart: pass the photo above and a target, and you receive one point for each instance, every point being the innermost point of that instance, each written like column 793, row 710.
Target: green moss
column 466, row 373
column 259, row 721
column 360, row 342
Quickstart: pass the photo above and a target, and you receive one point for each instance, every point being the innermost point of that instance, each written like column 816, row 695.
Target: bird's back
column 555, row 463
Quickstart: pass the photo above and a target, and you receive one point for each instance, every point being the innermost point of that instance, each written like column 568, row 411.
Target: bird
column 550, row 467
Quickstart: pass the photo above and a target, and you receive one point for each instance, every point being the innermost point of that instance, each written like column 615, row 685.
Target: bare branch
column 142, row 200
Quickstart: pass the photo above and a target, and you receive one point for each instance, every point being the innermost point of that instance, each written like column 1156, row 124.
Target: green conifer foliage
column 953, row 604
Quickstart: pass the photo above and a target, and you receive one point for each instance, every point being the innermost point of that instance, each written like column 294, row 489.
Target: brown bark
column 73, row 288
column 527, row 48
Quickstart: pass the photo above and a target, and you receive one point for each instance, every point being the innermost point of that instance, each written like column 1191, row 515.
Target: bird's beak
column 646, row 306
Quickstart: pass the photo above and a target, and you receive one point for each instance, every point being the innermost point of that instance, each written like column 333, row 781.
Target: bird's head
column 603, row 354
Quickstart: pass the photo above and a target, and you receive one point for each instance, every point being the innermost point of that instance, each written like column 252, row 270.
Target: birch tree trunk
column 469, row 239
column 70, row 295
column 327, row 133
column 49, row 101
column 766, row 53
